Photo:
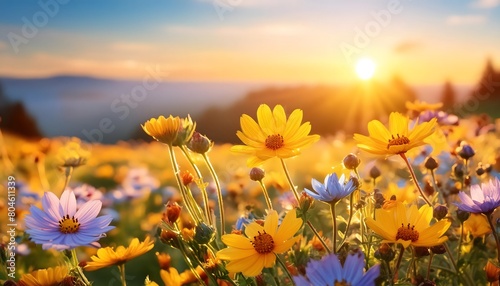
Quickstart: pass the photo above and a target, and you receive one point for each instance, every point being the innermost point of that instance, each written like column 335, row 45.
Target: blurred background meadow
column 98, row 70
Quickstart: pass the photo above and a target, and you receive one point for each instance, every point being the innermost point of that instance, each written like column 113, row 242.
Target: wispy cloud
column 486, row 4
column 131, row 47
column 457, row 20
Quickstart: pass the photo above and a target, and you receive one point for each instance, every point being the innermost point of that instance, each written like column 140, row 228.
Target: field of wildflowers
column 411, row 202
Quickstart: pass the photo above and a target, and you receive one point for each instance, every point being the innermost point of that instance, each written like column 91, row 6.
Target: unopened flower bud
column 440, row 212
column 431, row 163
column 187, row 178
column 379, row 199
column 465, row 151
column 257, row 174
column 204, row 233
column 438, row 249
column 421, row 251
column 351, row 161
column 492, row 272
column 172, row 212
column 306, row 202
column 458, row 170
column 169, row 237
column 355, row 182
column 428, row 188
column 462, row 215
column 480, row 170
column 199, row 144
column 385, row 252
column 163, row 260
column 375, row 172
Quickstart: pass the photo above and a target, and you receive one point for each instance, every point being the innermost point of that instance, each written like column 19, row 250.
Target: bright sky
column 250, row 40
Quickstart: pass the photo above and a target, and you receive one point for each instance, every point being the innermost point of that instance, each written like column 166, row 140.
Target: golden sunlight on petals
column 397, row 139
column 250, row 254
column 410, row 227
column 273, row 135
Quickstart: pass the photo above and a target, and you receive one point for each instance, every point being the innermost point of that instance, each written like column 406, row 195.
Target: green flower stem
column 454, row 264
column 495, row 234
column 436, row 188
column 203, row 189
column 78, row 269
column 183, row 192
column 290, row 182
column 460, row 240
column 429, row 266
column 351, row 214
column 309, row 224
column 334, row 227
column 398, row 264
column 414, row 178
column 285, row 269
column 40, row 165
column 296, row 195
column 121, row 267
column 67, row 173
column 266, row 195
column 187, row 253
column 219, row 194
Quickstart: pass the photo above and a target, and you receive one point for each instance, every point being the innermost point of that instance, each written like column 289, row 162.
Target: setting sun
column 365, row 68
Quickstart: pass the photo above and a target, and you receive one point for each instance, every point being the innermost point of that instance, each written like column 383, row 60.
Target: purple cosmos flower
column 334, row 188
column 61, row 226
column 484, row 199
column 329, row 271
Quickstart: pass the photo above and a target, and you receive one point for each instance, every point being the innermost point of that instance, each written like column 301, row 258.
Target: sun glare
column 365, row 68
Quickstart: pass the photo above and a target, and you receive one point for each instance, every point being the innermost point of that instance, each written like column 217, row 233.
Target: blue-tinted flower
column 330, row 272
column 484, row 199
column 61, row 225
column 334, row 188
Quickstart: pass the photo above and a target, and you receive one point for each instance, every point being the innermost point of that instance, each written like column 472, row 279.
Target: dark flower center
column 263, row 243
column 407, row 233
column 274, row 142
column 341, row 283
column 69, row 225
column 398, row 140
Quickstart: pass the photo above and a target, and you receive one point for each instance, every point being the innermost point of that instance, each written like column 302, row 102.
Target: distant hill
column 75, row 106
column 329, row 109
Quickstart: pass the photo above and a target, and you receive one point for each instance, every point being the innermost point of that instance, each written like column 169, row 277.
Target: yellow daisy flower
column 397, row 139
column 394, row 195
column 250, row 254
column 274, row 135
column 477, row 225
column 163, row 129
column 107, row 256
column 45, row 277
column 73, row 154
column 171, row 277
column 408, row 226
